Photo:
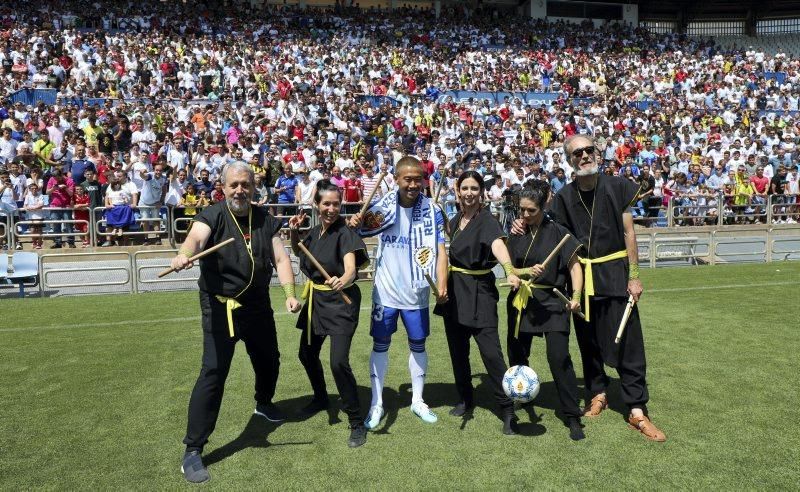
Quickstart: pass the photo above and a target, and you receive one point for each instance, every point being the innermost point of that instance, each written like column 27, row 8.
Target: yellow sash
column 308, row 293
column 468, row 272
column 520, row 301
column 230, row 305
column 588, row 283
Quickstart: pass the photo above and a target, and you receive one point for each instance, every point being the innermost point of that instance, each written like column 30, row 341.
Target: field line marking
column 129, row 323
column 364, row 308
column 726, row 286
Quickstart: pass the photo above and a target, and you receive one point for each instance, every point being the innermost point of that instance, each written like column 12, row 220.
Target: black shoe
column 460, row 409
column 193, row 469
column 358, row 435
column 270, row 412
column 575, row 429
column 510, row 425
column 56, row 246
column 316, row 405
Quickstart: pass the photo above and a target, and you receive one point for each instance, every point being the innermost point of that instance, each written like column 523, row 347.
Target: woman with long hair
column 476, row 245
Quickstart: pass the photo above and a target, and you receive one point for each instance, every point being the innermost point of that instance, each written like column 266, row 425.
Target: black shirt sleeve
column 491, row 229
column 209, row 216
column 628, row 191
column 350, row 242
column 273, row 225
column 571, row 247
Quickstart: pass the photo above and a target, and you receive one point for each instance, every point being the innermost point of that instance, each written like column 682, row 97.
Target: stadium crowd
column 182, row 89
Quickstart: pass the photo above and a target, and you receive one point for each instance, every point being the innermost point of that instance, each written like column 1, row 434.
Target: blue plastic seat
column 26, row 270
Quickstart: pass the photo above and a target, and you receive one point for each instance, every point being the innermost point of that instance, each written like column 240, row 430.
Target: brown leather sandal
column 644, row 425
column 596, row 406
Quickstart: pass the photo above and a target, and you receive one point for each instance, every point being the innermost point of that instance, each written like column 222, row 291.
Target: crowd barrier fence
column 74, row 273
column 171, row 224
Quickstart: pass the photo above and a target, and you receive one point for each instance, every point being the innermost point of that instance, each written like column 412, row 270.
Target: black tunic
column 330, row 314
column 598, row 226
column 233, row 271
column 545, row 312
column 472, row 298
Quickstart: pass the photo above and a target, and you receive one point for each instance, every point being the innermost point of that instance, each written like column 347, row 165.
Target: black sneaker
column 270, row 412
column 575, row 429
column 460, row 409
column 56, row 246
column 193, row 469
column 316, row 405
column 510, row 425
column 358, row 435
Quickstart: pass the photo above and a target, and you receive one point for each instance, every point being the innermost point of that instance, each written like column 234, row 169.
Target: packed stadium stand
column 117, row 117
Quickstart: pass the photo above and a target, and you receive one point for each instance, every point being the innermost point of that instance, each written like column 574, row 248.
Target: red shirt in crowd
column 427, row 169
column 760, row 184
column 60, row 197
column 352, row 190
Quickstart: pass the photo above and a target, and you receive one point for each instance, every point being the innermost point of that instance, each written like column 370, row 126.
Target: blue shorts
column 384, row 322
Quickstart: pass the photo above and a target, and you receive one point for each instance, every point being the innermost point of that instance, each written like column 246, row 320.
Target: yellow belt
column 520, row 301
column 230, row 305
column 308, row 293
column 468, row 272
column 588, row 283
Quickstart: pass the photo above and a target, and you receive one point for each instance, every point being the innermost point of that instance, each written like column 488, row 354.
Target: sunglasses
column 577, row 153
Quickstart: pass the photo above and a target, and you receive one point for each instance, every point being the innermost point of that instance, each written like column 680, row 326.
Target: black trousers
column 340, row 367
column 488, row 342
column 596, row 342
column 255, row 326
column 557, row 343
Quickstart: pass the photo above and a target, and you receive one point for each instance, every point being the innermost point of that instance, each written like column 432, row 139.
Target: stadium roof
column 716, row 9
column 713, row 9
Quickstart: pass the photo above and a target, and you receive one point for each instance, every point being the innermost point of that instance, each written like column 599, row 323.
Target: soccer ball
column 521, row 383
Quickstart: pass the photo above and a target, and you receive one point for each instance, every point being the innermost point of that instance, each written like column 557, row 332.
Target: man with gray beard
column 596, row 210
column 234, row 305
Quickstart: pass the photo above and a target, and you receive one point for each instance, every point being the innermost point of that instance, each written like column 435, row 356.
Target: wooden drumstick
column 564, row 298
column 625, row 316
column 321, row 270
column 368, row 201
column 554, row 252
column 439, row 189
column 199, row 255
column 434, row 289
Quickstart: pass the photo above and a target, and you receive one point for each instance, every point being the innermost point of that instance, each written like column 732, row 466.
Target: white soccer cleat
column 421, row 410
column 374, row 417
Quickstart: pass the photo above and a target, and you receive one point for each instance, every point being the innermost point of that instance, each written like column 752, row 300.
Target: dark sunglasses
column 577, row 153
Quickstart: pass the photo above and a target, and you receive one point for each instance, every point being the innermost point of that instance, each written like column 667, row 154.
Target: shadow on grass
column 256, row 434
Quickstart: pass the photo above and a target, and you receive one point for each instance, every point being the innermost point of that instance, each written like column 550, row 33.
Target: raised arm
column 195, row 242
column 285, row 275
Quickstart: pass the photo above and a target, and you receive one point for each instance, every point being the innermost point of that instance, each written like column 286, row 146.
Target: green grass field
column 95, row 389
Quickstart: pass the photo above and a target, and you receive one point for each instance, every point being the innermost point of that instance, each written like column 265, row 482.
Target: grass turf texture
column 95, row 390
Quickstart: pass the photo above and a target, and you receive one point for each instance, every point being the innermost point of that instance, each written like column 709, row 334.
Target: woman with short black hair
column 534, row 310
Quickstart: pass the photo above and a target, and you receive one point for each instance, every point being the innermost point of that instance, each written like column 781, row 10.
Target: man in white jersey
column 407, row 223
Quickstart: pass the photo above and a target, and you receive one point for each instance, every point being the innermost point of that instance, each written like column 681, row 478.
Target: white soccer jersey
column 393, row 285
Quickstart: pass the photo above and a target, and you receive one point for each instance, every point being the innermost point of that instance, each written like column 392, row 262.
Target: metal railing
column 133, row 272
column 723, row 210
column 101, row 227
column 67, row 229
column 784, row 209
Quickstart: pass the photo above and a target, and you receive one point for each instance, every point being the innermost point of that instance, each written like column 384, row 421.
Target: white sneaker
column 421, row 410
column 791, row 221
column 374, row 417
